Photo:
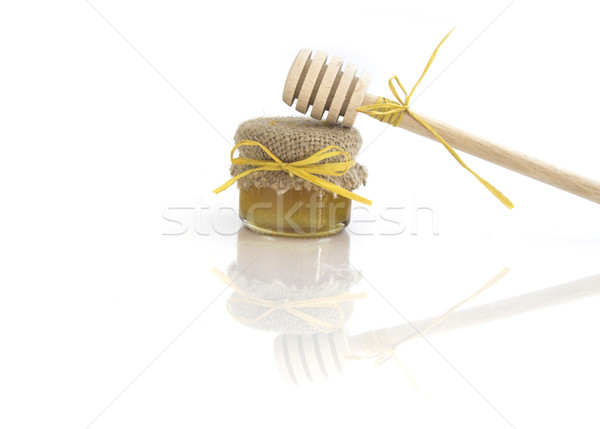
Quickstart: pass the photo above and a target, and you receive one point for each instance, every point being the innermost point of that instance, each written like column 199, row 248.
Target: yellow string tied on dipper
column 305, row 169
column 381, row 345
column 391, row 112
column 292, row 307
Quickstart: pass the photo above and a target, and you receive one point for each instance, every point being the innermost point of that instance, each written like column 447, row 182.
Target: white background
column 111, row 319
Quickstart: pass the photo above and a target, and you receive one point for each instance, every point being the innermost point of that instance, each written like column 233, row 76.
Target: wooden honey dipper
column 327, row 87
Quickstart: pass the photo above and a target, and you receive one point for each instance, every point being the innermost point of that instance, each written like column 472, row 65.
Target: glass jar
column 294, row 213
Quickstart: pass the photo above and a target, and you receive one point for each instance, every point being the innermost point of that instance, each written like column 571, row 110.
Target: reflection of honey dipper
column 326, row 87
column 305, row 359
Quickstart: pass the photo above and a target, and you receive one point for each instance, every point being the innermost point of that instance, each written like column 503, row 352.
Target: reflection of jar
column 285, row 270
column 279, row 203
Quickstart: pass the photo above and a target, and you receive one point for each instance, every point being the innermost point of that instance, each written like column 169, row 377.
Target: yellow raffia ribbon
column 381, row 345
column 391, row 112
column 305, row 169
column 292, row 307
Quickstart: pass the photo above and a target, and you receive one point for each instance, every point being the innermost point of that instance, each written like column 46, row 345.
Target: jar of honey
column 278, row 202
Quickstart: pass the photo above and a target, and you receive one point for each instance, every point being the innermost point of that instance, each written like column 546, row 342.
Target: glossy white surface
column 111, row 316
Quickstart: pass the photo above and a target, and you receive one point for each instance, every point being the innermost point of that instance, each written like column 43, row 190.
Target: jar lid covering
column 294, row 139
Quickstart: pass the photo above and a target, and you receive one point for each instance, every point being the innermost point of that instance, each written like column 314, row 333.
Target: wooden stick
column 507, row 158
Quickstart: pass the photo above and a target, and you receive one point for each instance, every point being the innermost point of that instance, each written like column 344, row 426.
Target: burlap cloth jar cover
column 294, row 139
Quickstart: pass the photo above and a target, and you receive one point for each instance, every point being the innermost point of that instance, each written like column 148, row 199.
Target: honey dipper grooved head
column 325, row 87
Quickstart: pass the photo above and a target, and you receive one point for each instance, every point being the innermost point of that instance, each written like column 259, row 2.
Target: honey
column 306, row 213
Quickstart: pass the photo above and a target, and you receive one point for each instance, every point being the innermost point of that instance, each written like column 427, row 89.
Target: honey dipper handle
column 508, row 158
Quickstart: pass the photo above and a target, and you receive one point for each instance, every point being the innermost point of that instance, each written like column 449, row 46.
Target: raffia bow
column 306, row 169
column 391, row 112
